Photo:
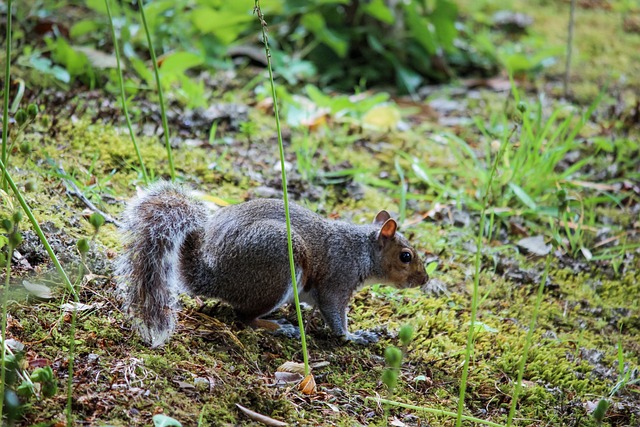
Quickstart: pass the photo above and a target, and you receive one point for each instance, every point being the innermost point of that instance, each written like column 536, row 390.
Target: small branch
column 73, row 190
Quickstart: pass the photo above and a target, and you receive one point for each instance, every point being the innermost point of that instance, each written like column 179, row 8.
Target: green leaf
column 379, row 10
column 161, row 420
column 76, row 63
column 225, row 25
column 83, row 27
column 431, row 267
column 407, row 79
column 315, row 23
column 177, row 63
column 600, row 411
column 523, row 196
column 444, row 20
column 45, row 66
column 145, row 73
column 421, row 29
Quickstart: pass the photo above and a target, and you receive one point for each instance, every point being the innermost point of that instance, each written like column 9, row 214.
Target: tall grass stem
column 567, row 65
column 294, row 281
column 527, row 342
column 163, row 112
column 123, row 97
column 56, row 263
column 476, row 281
column 5, row 100
column 433, row 411
column 5, row 292
column 72, row 346
column 37, row 229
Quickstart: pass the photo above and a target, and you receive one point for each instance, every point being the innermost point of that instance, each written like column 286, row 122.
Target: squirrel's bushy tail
column 155, row 227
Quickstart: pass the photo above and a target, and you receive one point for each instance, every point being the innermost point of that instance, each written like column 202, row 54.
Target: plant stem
column 4, row 326
column 567, row 66
column 72, row 347
column 433, row 411
column 5, row 101
column 37, row 229
column 163, row 112
column 122, row 93
column 476, row 282
column 294, row 281
column 527, row 343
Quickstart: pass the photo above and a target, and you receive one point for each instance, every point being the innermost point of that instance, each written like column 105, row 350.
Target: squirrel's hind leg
column 276, row 326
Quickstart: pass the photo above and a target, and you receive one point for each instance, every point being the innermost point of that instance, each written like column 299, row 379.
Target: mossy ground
column 590, row 310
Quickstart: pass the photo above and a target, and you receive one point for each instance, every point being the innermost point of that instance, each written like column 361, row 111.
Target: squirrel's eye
column 405, row 256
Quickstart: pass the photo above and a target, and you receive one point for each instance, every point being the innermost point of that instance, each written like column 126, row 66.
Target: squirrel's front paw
column 285, row 328
column 362, row 337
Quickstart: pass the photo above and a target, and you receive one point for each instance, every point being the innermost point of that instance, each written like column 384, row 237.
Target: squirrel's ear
column 381, row 217
column 388, row 229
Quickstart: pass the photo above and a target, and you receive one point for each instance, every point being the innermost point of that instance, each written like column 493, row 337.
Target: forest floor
column 421, row 166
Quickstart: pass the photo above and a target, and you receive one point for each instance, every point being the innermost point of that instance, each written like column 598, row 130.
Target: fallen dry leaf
column 534, row 245
column 293, row 367
column 37, row 290
column 308, row 385
column 283, row 378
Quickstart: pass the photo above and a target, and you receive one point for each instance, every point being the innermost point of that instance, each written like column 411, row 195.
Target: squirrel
column 238, row 254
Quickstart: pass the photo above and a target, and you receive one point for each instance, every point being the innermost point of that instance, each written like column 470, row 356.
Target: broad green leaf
column 153, row 10
column 161, row 420
column 179, row 62
column 315, row 23
column 421, row 29
column 83, row 27
column 407, row 79
column 45, row 66
column 379, row 10
column 223, row 24
column 444, row 20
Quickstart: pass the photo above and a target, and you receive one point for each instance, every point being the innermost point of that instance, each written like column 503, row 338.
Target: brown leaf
column 268, row 421
column 308, row 385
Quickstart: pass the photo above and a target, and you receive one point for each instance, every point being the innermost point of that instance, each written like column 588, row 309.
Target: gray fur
column 238, row 254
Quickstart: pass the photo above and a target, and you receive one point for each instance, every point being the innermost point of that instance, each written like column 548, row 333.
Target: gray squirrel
column 238, row 254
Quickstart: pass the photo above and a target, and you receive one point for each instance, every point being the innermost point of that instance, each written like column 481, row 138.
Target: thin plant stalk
column 56, row 263
column 567, row 65
column 37, row 229
column 5, row 101
column 476, row 283
column 163, row 112
column 122, row 93
column 527, row 342
column 433, row 411
column 5, row 292
column 294, row 281
column 72, row 345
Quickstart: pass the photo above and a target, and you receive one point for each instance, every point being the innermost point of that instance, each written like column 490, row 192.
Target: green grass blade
column 476, row 281
column 163, row 112
column 292, row 266
column 527, row 343
column 123, row 97
column 434, row 411
column 5, row 101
